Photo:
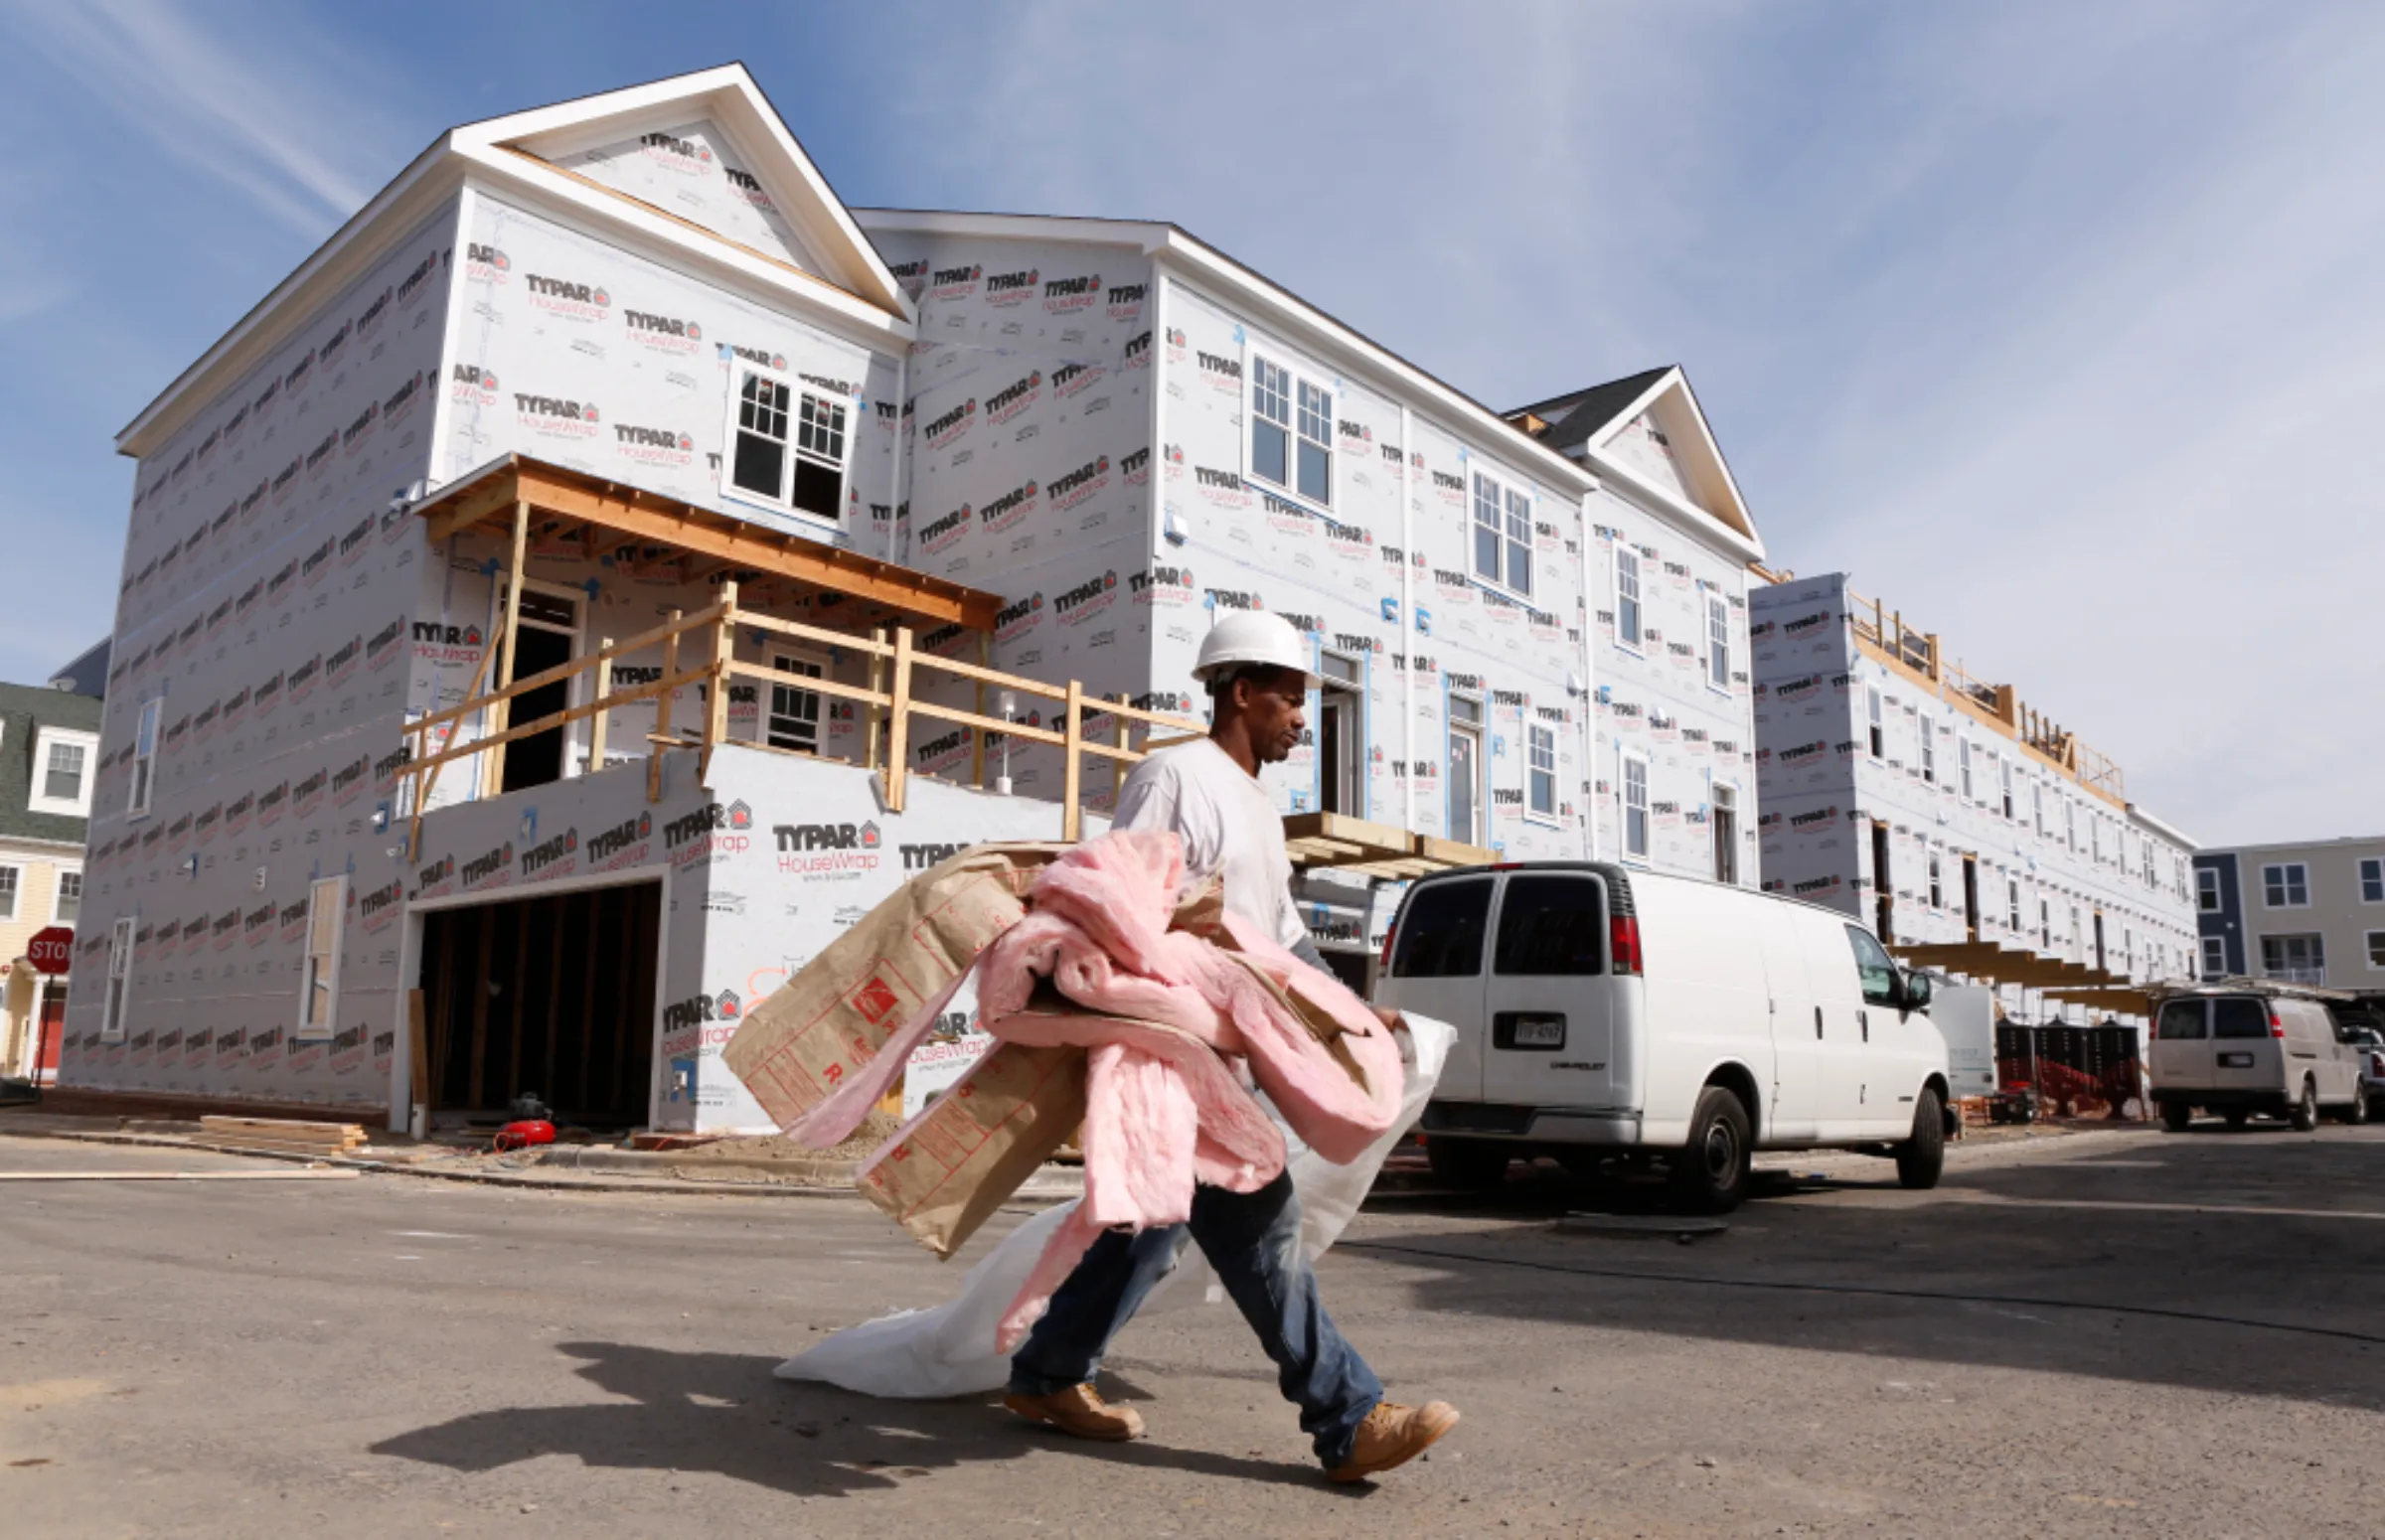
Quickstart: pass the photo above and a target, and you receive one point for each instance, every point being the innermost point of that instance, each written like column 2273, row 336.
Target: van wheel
column 2356, row 1113
column 1477, row 1164
column 2176, row 1116
column 1921, row 1158
column 2306, row 1109
column 1709, row 1173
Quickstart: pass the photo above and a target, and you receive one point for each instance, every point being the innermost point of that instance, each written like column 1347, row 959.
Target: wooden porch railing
column 889, row 698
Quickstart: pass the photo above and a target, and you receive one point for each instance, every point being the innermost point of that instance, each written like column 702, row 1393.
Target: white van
column 1600, row 1009
column 2237, row 1052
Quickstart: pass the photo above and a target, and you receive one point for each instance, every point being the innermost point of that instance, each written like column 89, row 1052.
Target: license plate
column 1539, row 1031
column 2235, row 1061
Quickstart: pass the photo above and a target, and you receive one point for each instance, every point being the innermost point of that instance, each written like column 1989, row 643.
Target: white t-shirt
column 1229, row 825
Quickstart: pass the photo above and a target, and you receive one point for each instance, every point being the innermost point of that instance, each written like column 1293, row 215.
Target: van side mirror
column 1917, row 991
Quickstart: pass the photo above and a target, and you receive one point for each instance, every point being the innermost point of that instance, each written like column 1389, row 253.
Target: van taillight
column 2376, row 1065
column 1623, row 943
column 2277, row 1024
column 1389, row 936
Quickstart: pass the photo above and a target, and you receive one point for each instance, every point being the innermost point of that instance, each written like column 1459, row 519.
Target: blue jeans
column 1253, row 1241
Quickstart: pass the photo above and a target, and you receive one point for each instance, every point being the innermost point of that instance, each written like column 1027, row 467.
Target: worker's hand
column 1387, row 1016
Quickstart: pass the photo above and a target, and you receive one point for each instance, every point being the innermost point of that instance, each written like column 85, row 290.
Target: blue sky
column 2061, row 327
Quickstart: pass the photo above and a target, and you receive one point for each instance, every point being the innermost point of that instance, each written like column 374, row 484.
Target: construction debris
column 282, row 1136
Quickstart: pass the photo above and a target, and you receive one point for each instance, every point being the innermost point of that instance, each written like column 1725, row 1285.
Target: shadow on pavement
column 728, row 1415
column 2212, row 1262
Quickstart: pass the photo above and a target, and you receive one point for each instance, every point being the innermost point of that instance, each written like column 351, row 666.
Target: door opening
column 549, row 637
column 552, row 996
column 1341, row 738
column 1464, row 769
column 1883, row 887
column 1727, row 835
column 1970, row 896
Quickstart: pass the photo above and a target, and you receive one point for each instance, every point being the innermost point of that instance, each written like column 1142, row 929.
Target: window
column 1627, row 597
column 2239, row 1019
column 2181, row 1020
column 120, row 980
column 61, row 767
column 2215, row 957
column 2013, row 904
column 1550, row 927
column 804, row 471
column 2300, row 959
column 2037, row 802
column 1440, row 931
column 1929, row 750
column 1502, row 537
column 1873, row 968
column 1725, row 819
column 1937, row 881
column 10, row 878
column 1963, row 762
column 1291, row 431
column 2372, row 882
column 2376, row 949
column 2004, row 771
column 2045, row 925
column 144, row 757
column 68, row 908
column 2070, row 823
column 318, row 989
column 1464, row 769
column 2287, row 886
column 2207, row 889
column 1635, row 806
column 1541, row 798
column 1879, row 729
column 794, row 720
column 1718, row 642
column 2095, row 834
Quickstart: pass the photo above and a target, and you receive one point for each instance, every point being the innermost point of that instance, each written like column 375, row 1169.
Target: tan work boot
column 1079, row 1410
column 1392, row 1434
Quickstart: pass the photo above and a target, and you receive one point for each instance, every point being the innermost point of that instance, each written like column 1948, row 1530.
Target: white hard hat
column 1252, row 639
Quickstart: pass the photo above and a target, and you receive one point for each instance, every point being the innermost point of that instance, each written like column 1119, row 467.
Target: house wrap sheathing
column 1032, row 441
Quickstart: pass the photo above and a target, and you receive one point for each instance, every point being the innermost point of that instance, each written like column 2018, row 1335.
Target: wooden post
column 898, row 719
column 1124, row 738
column 662, row 715
column 1073, row 821
column 1932, row 639
column 604, row 686
column 724, row 645
column 977, row 735
column 870, row 718
column 493, row 767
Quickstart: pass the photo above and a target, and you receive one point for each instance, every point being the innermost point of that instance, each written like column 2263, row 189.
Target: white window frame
column 2070, row 825
column 1512, row 510
column 12, row 890
column 143, row 793
column 1473, row 730
column 1300, row 382
column 1876, row 726
column 2376, row 951
column 2207, row 899
column 2037, row 806
column 2215, row 957
column 1623, row 798
column 1624, row 551
column 798, row 391
column 1962, row 766
column 790, row 661
column 1718, row 643
column 2003, row 777
column 1929, row 747
column 319, row 965
column 47, row 739
column 2370, row 870
column 2285, row 885
column 1540, row 739
column 2315, row 957
column 117, row 995
column 1936, row 869
column 57, row 893
column 2013, row 903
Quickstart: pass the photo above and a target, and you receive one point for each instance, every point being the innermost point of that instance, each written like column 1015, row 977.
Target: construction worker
column 1257, row 672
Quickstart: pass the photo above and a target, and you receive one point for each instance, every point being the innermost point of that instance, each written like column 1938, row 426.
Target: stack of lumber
column 282, row 1136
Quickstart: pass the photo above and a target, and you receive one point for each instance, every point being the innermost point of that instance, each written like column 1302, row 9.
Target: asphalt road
column 2126, row 1334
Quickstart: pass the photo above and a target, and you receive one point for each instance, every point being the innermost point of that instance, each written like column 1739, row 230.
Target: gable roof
column 854, row 290
column 1583, row 425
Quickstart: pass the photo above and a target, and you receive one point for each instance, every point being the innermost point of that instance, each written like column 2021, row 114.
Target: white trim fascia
column 2165, row 830
column 730, row 94
column 292, row 303
column 1655, row 500
column 768, row 282
column 1671, row 379
column 41, row 849
column 1141, row 235
column 452, row 343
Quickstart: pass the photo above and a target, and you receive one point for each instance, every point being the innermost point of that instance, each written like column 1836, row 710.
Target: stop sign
column 51, row 950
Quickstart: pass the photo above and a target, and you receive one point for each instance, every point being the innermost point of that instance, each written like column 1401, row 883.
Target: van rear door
column 1437, row 960
column 1552, row 1008
column 2182, row 1046
column 2245, row 1057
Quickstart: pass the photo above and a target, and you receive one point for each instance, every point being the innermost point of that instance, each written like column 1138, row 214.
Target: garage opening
column 552, row 997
